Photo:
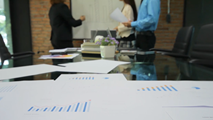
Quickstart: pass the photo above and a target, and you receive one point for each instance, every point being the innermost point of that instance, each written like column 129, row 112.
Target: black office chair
column 202, row 51
column 148, row 58
column 5, row 54
column 193, row 72
column 182, row 43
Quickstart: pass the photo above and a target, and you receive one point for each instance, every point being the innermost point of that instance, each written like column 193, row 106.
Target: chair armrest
column 175, row 55
column 126, row 49
column 160, row 50
column 23, row 53
column 21, row 56
column 207, row 63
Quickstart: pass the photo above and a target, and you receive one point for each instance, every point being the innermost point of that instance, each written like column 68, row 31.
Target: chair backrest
column 4, row 53
column 203, row 46
column 183, row 40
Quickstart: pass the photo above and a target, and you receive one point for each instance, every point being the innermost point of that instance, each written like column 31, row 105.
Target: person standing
column 130, row 12
column 146, row 24
column 61, row 21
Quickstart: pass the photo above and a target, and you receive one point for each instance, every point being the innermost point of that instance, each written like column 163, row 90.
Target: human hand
column 116, row 28
column 127, row 24
column 82, row 18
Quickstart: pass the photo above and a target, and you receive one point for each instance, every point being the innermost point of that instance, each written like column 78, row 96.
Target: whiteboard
column 97, row 13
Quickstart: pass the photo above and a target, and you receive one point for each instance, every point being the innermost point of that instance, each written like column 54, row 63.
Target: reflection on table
column 143, row 67
column 144, row 72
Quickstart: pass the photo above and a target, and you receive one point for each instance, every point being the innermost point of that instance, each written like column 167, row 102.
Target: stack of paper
column 68, row 56
column 65, row 50
column 88, row 46
column 128, row 52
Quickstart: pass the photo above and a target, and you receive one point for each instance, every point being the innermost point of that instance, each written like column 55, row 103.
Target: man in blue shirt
column 146, row 24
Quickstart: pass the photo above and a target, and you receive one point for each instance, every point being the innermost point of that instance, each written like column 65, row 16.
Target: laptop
column 109, row 33
column 104, row 33
column 93, row 34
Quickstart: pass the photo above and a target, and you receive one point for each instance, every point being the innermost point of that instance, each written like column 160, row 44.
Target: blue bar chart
column 83, row 78
column 165, row 88
column 75, row 107
column 5, row 89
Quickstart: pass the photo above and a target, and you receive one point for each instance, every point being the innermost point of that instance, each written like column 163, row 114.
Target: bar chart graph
column 164, row 88
column 75, row 107
column 4, row 89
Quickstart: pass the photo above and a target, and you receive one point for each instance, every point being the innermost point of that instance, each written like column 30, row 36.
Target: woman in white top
column 130, row 12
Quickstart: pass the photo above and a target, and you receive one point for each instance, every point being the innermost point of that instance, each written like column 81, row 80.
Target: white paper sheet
column 58, row 50
column 129, row 51
column 94, row 66
column 64, row 50
column 68, row 56
column 190, row 113
column 99, row 98
column 26, row 93
column 80, row 100
column 118, row 16
column 178, row 93
column 7, row 88
column 24, row 71
column 91, row 77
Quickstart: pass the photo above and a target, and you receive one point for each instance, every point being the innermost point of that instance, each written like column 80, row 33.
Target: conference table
column 160, row 67
column 145, row 95
column 149, row 67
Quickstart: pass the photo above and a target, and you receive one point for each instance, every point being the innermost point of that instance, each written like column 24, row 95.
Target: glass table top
column 149, row 67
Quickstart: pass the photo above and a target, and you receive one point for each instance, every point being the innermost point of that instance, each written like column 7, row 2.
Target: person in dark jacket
column 62, row 21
